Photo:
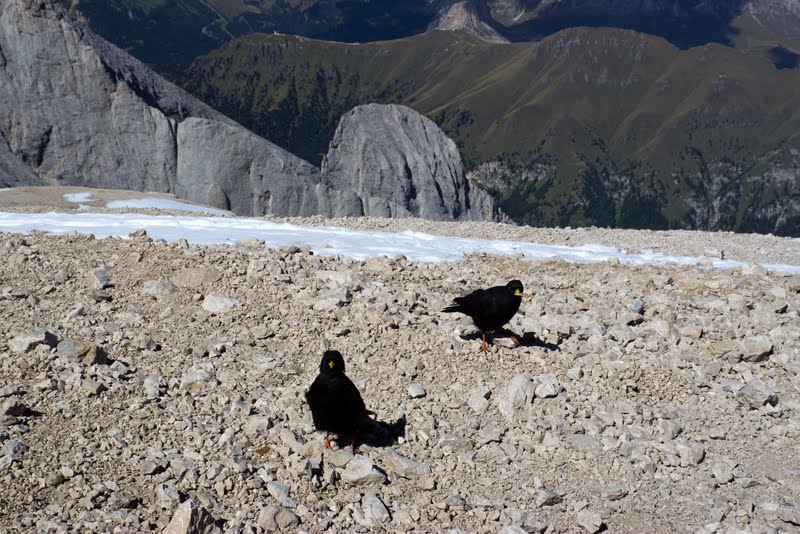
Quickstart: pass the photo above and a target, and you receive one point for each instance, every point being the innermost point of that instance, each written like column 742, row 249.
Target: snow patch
column 331, row 241
column 77, row 198
column 165, row 204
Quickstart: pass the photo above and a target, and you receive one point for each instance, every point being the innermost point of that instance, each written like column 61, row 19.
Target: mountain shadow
column 685, row 23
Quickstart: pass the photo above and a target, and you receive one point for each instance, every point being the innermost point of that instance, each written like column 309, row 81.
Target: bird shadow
column 528, row 339
column 376, row 433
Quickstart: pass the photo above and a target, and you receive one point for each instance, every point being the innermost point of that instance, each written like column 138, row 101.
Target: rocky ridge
column 150, row 386
column 402, row 165
column 75, row 110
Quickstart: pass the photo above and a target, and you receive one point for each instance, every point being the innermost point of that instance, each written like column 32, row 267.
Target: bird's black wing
column 468, row 304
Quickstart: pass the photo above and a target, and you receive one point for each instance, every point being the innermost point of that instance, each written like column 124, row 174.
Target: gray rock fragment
column 546, row 497
column 722, row 472
column 159, row 288
column 589, row 520
column 584, row 443
column 548, row 386
column 98, row 279
column 756, row 393
column 190, row 518
column 404, row 467
column 416, row 391
column 27, row 340
column 218, row 303
column 519, row 394
column 372, row 513
column 196, row 277
column 361, row 472
column 82, row 352
column 756, row 349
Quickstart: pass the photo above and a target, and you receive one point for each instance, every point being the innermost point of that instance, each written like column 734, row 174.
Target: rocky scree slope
column 79, row 111
column 137, row 374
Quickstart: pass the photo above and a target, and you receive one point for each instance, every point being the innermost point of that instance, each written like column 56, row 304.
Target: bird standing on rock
column 336, row 405
column 491, row 308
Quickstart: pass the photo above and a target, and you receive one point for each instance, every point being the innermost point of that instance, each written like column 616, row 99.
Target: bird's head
column 516, row 287
column 332, row 362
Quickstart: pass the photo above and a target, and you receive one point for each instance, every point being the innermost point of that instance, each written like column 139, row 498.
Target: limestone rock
column 26, row 340
column 372, row 513
column 217, row 303
column 191, row 519
column 400, row 164
column 361, row 472
column 520, row 393
column 756, row 393
column 196, row 277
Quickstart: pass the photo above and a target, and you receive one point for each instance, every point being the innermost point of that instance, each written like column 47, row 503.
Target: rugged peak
column 464, row 16
column 401, row 164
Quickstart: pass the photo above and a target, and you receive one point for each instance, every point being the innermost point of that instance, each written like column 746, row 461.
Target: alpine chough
column 336, row 405
column 491, row 308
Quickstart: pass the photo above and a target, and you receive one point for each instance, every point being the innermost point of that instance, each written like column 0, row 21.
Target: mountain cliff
column 76, row 110
column 390, row 156
column 591, row 126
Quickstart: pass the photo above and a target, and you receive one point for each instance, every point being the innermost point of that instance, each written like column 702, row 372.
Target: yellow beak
column 331, row 364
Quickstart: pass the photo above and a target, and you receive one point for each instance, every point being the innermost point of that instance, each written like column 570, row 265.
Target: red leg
column 326, row 443
column 352, row 445
column 484, row 348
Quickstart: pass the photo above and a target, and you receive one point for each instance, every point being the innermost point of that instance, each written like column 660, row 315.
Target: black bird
column 491, row 308
column 336, row 405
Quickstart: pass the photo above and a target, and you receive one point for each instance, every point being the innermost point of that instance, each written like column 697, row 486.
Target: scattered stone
column 548, row 386
column 404, row 467
column 756, row 393
column 190, row 518
column 372, row 513
column 756, row 349
column 584, row 443
column 14, row 406
column 590, row 521
column 519, row 394
column 196, row 277
column 98, row 279
column 82, row 353
column 159, row 288
column 722, row 472
column 546, row 497
column 257, row 425
column 361, row 472
column 614, row 492
column 27, row 340
column 637, row 306
column 218, row 303
column 416, row 391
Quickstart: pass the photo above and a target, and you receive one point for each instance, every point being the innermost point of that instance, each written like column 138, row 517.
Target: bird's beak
column 517, row 292
column 331, row 364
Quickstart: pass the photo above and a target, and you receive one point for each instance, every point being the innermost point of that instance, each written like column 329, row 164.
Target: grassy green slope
column 630, row 130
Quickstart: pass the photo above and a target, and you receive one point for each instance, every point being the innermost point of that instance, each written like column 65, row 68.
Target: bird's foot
column 352, row 446
column 484, row 347
column 326, row 443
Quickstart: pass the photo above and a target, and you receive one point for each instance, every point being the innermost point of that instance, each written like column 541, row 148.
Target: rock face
column 76, row 110
column 401, row 164
column 462, row 16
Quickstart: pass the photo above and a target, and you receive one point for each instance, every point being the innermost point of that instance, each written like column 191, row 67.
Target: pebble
column 590, row 521
column 361, row 472
column 416, row 391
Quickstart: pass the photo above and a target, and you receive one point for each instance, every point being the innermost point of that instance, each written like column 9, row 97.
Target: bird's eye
column 331, row 364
